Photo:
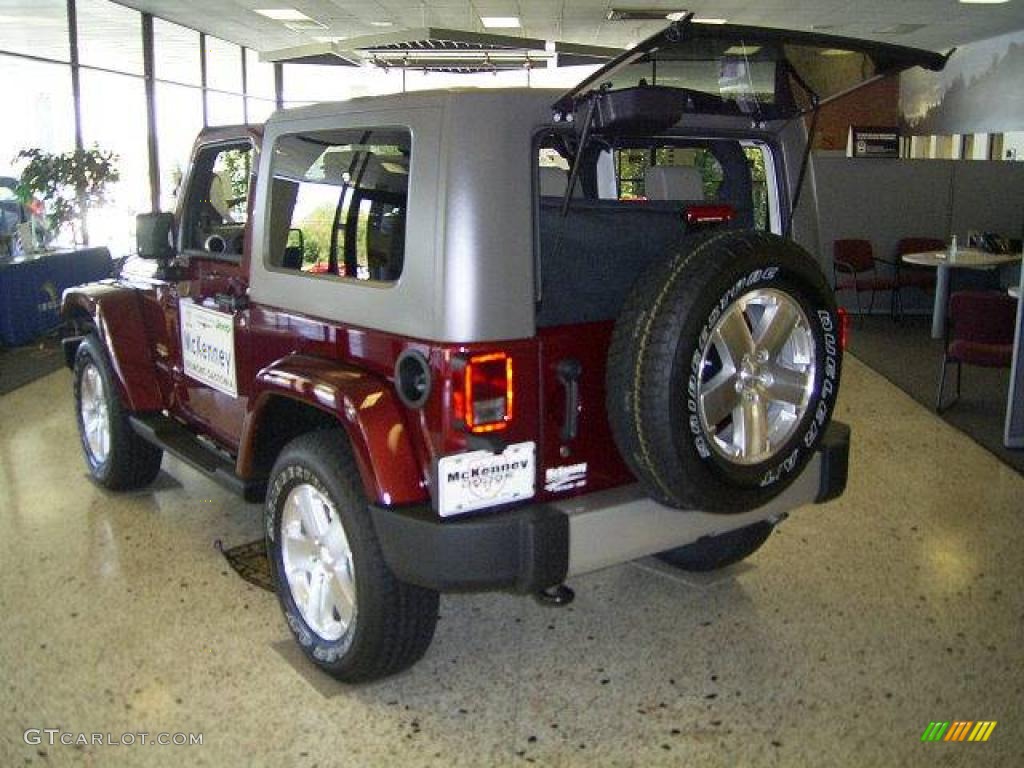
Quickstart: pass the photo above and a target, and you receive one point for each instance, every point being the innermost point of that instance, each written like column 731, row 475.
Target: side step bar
column 166, row 433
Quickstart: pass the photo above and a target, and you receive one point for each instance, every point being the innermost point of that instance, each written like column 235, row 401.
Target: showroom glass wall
column 92, row 72
column 50, row 49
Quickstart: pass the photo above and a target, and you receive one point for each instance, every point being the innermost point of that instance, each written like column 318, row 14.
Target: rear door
column 589, row 259
column 635, row 203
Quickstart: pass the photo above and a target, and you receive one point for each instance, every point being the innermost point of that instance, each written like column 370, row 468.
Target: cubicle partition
column 1014, row 433
column 886, row 200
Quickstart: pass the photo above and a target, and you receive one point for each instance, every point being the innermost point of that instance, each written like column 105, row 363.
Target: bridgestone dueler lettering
column 661, row 345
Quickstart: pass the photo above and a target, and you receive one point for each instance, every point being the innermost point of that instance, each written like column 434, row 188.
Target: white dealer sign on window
column 208, row 347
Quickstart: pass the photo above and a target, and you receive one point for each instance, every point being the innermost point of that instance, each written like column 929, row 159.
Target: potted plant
column 68, row 185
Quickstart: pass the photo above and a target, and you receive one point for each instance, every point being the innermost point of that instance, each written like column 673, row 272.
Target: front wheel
column 117, row 458
column 350, row 614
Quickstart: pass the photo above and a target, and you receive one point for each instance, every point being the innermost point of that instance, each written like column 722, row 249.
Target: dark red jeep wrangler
column 489, row 340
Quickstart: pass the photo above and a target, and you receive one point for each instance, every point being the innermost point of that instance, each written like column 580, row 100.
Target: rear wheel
column 350, row 614
column 714, row 552
column 117, row 458
column 723, row 371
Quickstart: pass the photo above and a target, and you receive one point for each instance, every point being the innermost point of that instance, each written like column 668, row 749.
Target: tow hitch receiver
column 558, row 596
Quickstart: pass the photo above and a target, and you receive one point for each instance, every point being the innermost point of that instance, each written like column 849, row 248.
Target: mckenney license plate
column 479, row 479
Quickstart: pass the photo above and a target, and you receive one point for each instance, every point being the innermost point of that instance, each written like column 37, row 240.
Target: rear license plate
column 480, row 479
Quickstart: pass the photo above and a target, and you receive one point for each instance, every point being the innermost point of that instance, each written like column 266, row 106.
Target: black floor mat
column 906, row 355
column 250, row 562
column 22, row 365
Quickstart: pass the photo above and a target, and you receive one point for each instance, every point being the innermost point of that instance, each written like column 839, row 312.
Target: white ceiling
column 946, row 23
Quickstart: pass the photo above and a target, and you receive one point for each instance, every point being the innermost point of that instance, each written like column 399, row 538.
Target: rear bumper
column 534, row 547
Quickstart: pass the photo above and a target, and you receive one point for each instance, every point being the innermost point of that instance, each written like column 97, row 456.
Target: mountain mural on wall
column 981, row 90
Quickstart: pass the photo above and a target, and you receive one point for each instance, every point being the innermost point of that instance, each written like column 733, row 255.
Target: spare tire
column 723, row 371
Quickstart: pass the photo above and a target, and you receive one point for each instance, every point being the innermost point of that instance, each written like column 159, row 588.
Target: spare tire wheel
column 723, row 371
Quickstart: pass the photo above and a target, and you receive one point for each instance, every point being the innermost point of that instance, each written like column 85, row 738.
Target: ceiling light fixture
column 283, row 14
column 984, row 2
column 382, row 23
column 500, row 22
column 742, row 50
column 710, row 21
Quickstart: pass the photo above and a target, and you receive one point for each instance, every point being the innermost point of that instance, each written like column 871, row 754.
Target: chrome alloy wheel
column 95, row 413
column 318, row 562
column 757, row 376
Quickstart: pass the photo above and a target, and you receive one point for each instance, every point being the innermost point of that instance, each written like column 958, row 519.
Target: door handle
column 568, row 371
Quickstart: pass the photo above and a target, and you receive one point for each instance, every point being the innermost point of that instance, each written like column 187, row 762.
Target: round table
column 966, row 258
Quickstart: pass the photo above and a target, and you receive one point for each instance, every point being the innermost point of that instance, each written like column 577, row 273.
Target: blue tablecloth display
column 31, row 287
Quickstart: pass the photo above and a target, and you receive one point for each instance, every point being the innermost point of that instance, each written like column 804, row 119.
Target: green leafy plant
column 68, row 185
column 238, row 166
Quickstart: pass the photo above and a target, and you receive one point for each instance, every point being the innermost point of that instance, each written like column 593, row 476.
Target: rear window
column 628, row 210
column 688, row 172
column 338, row 203
column 632, row 166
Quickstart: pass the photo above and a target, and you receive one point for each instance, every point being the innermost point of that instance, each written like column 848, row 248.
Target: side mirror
column 154, row 235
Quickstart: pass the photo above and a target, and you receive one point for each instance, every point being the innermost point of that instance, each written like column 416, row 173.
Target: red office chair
column 855, row 261
column 908, row 275
column 980, row 332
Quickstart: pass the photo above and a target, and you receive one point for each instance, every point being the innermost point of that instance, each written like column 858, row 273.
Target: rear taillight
column 483, row 398
column 844, row 327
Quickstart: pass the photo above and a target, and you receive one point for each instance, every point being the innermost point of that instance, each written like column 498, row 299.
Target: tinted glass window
column 338, row 203
column 632, row 167
column 770, row 73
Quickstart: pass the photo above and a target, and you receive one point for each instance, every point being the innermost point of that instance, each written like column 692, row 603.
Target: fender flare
column 363, row 403
column 116, row 312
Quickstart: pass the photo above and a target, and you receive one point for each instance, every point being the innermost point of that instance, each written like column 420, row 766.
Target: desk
column 966, row 258
column 31, row 288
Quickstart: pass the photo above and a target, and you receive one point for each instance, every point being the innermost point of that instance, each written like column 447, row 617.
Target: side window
column 216, row 210
column 758, row 159
column 338, row 203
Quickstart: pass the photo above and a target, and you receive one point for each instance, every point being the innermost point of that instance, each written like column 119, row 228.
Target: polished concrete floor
column 854, row 627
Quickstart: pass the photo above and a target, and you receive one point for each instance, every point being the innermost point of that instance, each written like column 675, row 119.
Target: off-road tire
column 658, row 343
column 393, row 622
column 130, row 462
